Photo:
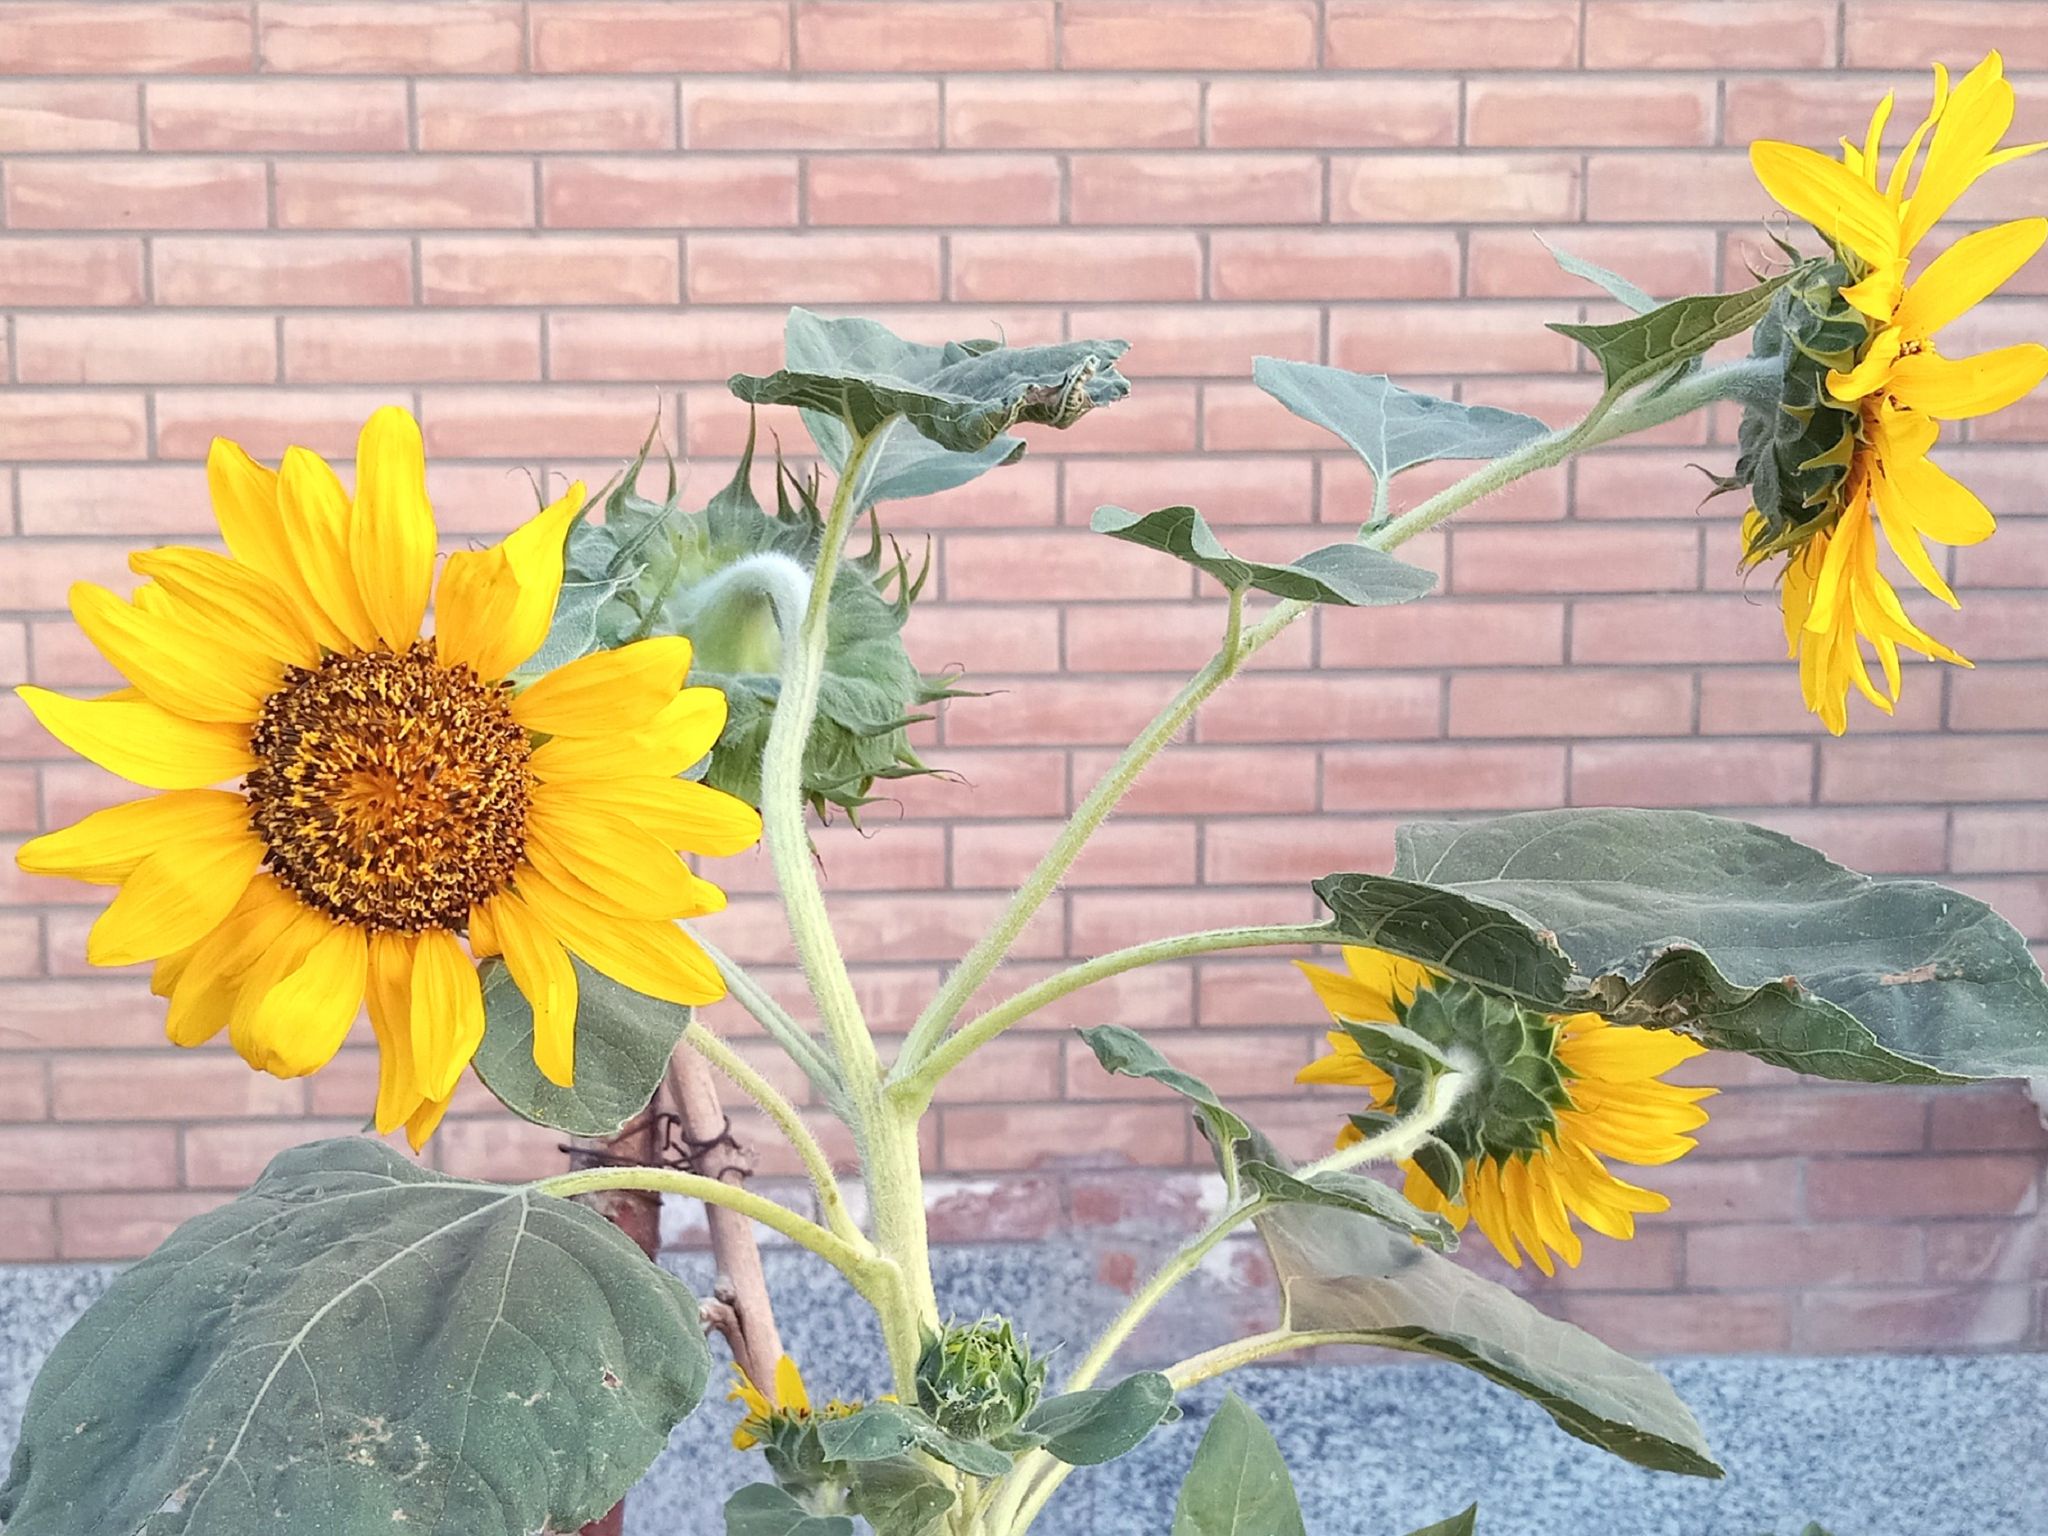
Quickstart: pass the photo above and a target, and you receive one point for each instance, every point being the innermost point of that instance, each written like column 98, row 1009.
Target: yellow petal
column 173, row 661
column 541, row 968
column 657, row 959
column 316, row 518
column 1905, row 544
column 447, row 1012
column 679, row 736
column 298, row 1019
column 690, row 818
column 233, row 595
column 791, row 1395
column 390, row 999
column 175, row 897
column 1622, row 1052
column 1957, row 388
column 493, row 607
column 106, row 847
column 631, row 872
column 1966, row 274
column 1872, row 369
column 425, row 1120
column 607, row 691
column 1975, row 118
column 1936, row 503
column 1833, row 199
column 391, row 530
column 142, row 742
column 1344, row 997
column 203, row 1001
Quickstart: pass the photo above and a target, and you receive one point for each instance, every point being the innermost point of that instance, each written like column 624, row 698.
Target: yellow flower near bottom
column 788, row 1404
column 402, row 809
column 1527, row 1200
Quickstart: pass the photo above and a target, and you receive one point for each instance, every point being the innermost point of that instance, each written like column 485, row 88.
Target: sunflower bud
column 978, row 1381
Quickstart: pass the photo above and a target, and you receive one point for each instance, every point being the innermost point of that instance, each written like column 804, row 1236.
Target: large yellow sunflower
column 396, row 794
column 1525, row 1178
column 1899, row 386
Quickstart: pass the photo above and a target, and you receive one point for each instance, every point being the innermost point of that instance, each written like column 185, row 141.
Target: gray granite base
column 1868, row 1446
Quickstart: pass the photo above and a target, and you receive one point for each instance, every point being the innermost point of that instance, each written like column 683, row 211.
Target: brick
column 922, row 190
column 636, row 344
column 276, row 115
column 483, row 422
column 1740, row 1257
column 1092, row 268
column 1788, row 1121
column 413, row 193
column 545, row 114
column 1156, row 637
column 46, row 424
column 998, row 1137
column 1710, row 1323
column 1024, row 567
column 1429, row 778
column 162, row 192
column 1692, row 773
column 263, row 271
column 1735, row 1190
column 1333, row 264
column 1897, row 1187
column 1751, row 701
column 1447, row 632
column 264, row 421
column 1993, row 1317
column 2000, row 839
column 28, row 1229
column 1710, row 34
column 476, row 37
column 665, row 194
column 1411, row 339
column 76, row 39
column 50, row 1157
column 1211, row 340
column 812, row 268
column 1332, row 114
column 1676, row 628
column 1961, row 768
column 1999, row 1117
column 1005, row 1210
column 45, row 115
column 1122, row 853
column 410, row 348
column 1719, row 187
column 1178, row 34
column 811, row 114
column 1263, row 780
column 64, row 271
column 1490, row 34
column 145, row 348
column 1071, row 709
column 211, row 1084
column 1580, row 702
column 1575, row 110
column 704, row 37
column 1017, row 1067
column 1907, row 33
column 1377, row 707
column 2001, row 699
column 859, row 36
column 1899, row 843
column 1181, row 189
column 1274, row 850
column 549, row 269
column 123, row 1225
column 1054, row 113
column 1480, row 188
column 1984, row 1250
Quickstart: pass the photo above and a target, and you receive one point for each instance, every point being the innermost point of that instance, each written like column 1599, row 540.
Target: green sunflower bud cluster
column 732, row 578
column 1794, row 447
column 978, row 1381
column 1515, row 1085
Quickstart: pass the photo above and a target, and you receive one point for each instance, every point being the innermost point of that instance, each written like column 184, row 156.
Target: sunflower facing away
column 788, row 1406
column 1877, row 390
column 397, row 795
column 1551, row 1098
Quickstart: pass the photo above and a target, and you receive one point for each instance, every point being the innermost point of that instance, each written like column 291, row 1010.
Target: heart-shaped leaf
column 1239, row 1484
column 361, row 1345
column 1087, row 1428
column 1392, row 428
column 1346, row 575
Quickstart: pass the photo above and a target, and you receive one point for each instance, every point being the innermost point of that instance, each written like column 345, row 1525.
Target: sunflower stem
column 1211, row 1363
column 1400, row 1140
column 782, row 1026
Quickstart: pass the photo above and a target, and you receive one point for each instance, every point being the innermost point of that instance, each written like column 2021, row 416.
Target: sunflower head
column 782, row 1424
column 978, row 1381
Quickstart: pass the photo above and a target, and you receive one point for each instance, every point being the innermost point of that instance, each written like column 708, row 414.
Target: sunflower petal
column 447, row 1012
column 142, row 742
column 1957, row 388
column 391, row 526
column 1833, row 199
column 317, row 516
column 229, row 594
column 1966, row 274
column 203, row 1001
column 627, row 869
column 105, row 847
column 679, row 736
column 390, row 999
column 688, row 817
column 654, row 958
column 175, row 897
column 493, row 607
column 541, row 968
column 299, row 1019
column 607, row 691
column 1975, row 118
column 173, row 662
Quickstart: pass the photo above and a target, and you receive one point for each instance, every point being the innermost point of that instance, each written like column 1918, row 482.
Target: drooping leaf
column 899, row 1497
column 880, row 1431
column 1461, row 1524
column 762, row 1509
column 1738, row 935
column 1634, row 351
column 623, row 1042
column 1355, row 1192
column 1087, row 1428
column 358, row 1345
column 1392, row 428
column 1127, row 1053
column 963, row 396
column 1462, row 937
column 1239, row 1484
column 1346, row 575
column 1617, row 287
column 1346, row 1278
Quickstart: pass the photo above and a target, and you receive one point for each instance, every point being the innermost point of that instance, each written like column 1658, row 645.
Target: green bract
column 980, row 1380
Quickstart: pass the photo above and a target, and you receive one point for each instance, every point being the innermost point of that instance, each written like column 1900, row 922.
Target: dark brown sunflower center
column 391, row 791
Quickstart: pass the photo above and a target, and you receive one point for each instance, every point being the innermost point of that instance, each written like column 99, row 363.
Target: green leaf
column 1238, row 1485
column 1617, row 286
column 1392, row 428
column 963, row 396
column 1458, row 935
column 358, row 1345
column 1634, row 351
column 623, row 1042
column 1458, row 1525
column 1348, row 1279
column 762, row 1509
column 1737, row 935
column 1355, row 1192
column 880, row 1431
column 899, row 1497
column 1085, row 1429
column 1129, row 1054
column 574, row 631
column 1346, row 575
column 1395, row 1045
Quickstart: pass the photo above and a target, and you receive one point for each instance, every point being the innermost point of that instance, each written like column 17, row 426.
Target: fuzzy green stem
column 1240, row 1352
column 801, row 1046
column 1400, row 1140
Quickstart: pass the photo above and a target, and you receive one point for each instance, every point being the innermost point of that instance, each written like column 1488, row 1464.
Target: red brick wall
column 541, row 223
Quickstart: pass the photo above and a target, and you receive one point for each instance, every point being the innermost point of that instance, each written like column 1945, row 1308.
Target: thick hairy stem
column 1401, row 1139
column 1239, row 1352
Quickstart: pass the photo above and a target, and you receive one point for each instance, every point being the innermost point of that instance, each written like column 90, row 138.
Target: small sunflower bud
column 978, row 1381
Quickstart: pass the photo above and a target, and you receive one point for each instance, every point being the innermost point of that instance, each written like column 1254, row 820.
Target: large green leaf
column 623, row 1042
column 1392, row 428
column 1459, row 936
column 1349, row 1279
column 762, row 1509
column 1098, row 1424
column 1346, row 575
column 963, row 396
column 357, row 1346
column 1636, row 350
column 899, row 1497
column 1738, row 935
column 1238, row 1485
